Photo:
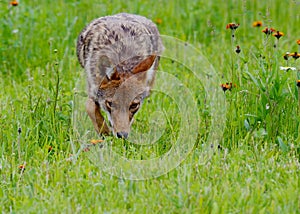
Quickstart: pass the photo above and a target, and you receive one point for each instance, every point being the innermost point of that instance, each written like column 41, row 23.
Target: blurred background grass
column 38, row 74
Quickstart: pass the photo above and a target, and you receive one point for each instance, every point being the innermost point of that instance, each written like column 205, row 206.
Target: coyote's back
column 120, row 54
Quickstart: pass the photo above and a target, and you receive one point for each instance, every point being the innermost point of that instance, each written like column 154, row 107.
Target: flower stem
column 232, row 55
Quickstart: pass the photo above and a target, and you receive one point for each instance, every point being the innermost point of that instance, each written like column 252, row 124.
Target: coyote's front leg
column 93, row 110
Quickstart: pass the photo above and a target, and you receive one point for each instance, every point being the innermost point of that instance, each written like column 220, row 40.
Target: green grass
column 42, row 85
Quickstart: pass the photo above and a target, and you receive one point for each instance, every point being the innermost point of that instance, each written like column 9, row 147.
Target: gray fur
column 116, row 42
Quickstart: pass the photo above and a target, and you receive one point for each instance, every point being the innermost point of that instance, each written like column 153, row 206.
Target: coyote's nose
column 122, row 135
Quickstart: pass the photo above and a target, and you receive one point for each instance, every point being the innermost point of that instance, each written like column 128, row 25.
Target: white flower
column 15, row 31
column 282, row 68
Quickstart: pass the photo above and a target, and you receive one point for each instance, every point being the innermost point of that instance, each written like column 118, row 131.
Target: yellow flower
column 14, row 3
column 96, row 141
column 227, row 86
column 278, row 34
column 158, row 21
column 257, row 24
column 295, row 55
column 298, row 41
column 22, row 167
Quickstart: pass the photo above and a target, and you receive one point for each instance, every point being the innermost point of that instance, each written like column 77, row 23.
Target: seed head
column 238, row 49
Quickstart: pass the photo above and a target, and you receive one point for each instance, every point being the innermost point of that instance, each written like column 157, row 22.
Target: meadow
column 46, row 154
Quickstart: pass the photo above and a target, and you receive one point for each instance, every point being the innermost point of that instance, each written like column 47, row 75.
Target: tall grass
column 255, row 169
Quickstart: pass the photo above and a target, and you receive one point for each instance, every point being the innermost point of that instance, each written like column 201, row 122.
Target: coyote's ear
column 106, row 67
column 144, row 65
column 114, row 77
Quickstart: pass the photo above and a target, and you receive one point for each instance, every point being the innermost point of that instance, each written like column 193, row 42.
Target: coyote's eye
column 134, row 107
column 108, row 105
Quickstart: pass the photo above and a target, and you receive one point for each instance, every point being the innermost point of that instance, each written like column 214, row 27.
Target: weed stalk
column 19, row 142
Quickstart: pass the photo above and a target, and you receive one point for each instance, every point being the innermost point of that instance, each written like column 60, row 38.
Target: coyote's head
column 121, row 94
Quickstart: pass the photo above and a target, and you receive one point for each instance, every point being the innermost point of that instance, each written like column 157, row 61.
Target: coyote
column 120, row 55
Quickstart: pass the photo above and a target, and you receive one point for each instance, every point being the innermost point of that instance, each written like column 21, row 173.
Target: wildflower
column 96, row 141
column 286, row 55
column 22, row 167
column 298, row 83
column 298, row 41
column 278, row 34
column 232, row 26
column 50, row 148
column 268, row 31
column 238, row 49
column 158, row 21
column 282, row 68
column 226, row 86
column 295, row 55
column 14, row 3
column 15, row 31
column 257, row 24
